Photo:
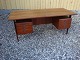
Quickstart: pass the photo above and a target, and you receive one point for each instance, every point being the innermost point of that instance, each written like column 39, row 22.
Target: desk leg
column 67, row 31
column 16, row 30
column 68, row 28
column 69, row 16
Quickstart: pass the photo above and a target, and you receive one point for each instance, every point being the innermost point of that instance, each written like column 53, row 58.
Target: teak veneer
column 25, row 19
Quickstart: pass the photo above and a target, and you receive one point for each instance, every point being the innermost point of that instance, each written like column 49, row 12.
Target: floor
column 45, row 43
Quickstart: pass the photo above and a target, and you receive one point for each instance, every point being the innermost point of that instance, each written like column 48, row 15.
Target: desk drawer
column 24, row 27
column 28, row 23
column 24, row 32
column 28, row 31
column 25, row 23
column 62, row 22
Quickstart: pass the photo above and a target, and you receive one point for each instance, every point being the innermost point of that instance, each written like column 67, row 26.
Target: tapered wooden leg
column 16, row 31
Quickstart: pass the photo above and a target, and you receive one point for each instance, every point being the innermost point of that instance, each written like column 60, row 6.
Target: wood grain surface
column 37, row 13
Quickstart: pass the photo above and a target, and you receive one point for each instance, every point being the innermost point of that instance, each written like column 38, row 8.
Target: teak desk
column 25, row 19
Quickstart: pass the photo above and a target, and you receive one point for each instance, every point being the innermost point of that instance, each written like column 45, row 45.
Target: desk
column 25, row 19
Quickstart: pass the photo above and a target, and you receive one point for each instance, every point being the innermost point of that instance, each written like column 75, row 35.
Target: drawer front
column 24, row 28
column 28, row 27
column 19, row 30
column 28, row 23
column 25, row 23
column 68, row 22
column 19, row 24
column 64, row 23
column 28, row 31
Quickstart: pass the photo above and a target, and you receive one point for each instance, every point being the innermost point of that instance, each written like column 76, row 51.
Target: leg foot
column 17, row 37
column 67, row 31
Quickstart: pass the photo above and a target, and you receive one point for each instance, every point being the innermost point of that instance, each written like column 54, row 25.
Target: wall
column 39, row 4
